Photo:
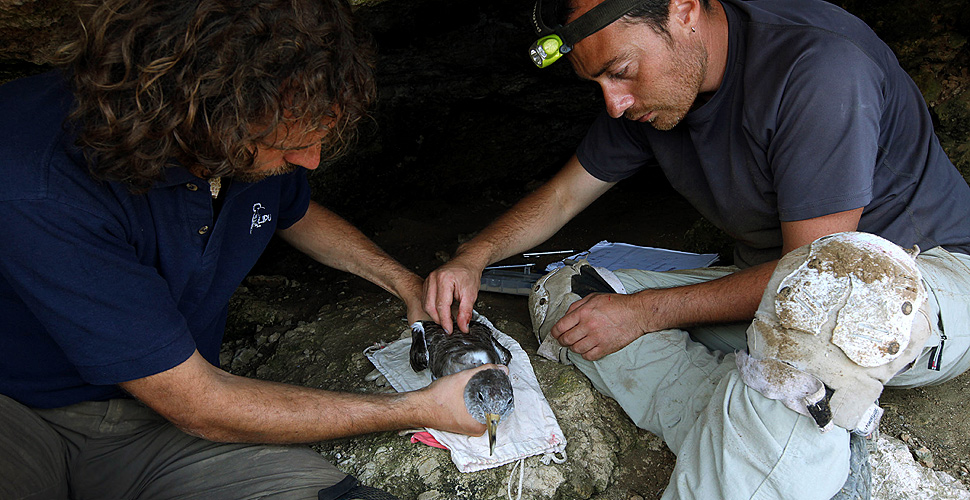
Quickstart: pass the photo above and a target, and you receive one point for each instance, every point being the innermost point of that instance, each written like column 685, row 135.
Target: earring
column 692, row 30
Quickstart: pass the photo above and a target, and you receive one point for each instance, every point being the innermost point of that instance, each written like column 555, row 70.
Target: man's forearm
column 536, row 217
column 267, row 412
column 734, row 297
column 332, row 241
column 208, row 402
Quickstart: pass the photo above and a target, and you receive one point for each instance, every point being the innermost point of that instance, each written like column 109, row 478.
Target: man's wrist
column 646, row 312
column 474, row 255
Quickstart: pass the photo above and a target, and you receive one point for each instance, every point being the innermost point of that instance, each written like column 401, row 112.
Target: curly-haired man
column 140, row 186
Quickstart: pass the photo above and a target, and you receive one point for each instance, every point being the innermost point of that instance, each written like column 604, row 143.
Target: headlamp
column 548, row 50
column 553, row 43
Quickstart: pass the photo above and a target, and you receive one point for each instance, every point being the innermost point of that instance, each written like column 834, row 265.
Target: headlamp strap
column 592, row 21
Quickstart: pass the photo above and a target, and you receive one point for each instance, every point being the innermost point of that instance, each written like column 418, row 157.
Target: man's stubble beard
column 263, row 174
column 680, row 98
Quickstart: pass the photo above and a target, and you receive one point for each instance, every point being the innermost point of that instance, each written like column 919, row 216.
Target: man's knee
column 836, row 322
column 553, row 294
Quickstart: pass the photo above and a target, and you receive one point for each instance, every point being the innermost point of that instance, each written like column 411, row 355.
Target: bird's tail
column 419, row 348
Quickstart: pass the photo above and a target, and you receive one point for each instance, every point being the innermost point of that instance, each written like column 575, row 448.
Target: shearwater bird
column 488, row 394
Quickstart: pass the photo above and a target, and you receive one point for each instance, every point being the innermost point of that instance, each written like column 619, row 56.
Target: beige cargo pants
column 731, row 442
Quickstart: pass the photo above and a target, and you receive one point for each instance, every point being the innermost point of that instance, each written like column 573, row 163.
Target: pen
column 554, row 252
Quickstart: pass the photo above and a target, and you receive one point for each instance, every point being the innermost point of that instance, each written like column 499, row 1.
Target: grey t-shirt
column 814, row 116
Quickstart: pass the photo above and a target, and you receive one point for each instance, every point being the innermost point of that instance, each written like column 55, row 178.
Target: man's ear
column 683, row 14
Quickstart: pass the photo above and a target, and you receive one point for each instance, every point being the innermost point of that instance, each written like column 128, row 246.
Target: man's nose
column 308, row 158
column 616, row 102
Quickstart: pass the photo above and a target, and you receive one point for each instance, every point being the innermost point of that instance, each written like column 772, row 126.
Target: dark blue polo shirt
column 100, row 286
column 814, row 116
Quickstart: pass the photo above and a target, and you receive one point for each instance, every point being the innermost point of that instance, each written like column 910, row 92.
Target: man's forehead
column 594, row 65
column 597, row 53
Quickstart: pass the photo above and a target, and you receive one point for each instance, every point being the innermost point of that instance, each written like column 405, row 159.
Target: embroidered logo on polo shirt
column 259, row 217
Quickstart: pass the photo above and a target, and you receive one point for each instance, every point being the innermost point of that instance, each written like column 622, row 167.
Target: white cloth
column 531, row 428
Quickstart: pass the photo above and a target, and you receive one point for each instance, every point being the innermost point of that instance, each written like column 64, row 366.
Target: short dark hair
column 203, row 81
column 653, row 13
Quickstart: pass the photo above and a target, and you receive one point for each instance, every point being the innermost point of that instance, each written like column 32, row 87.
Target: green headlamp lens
column 547, row 50
column 560, row 40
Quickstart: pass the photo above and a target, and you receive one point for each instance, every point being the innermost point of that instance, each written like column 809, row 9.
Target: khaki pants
column 121, row 449
column 731, row 442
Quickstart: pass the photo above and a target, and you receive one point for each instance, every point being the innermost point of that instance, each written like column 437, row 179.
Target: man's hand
column 455, row 280
column 446, row 403
column 599, row 324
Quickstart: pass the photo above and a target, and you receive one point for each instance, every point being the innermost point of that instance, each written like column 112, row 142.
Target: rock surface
column 897, row 476
column 610, row 457
column 607, row 456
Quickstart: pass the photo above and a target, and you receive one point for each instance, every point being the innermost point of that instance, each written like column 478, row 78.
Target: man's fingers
column 566, row 323
column 572, row 336
column 442, row 303
column 465, row 308
column 444, row 312
column 584, row 345
column 431, row 297
column 593, row 354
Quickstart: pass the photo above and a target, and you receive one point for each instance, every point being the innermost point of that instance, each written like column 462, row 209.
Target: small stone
column 905, row 437
column 243, row 357
column 924, row 456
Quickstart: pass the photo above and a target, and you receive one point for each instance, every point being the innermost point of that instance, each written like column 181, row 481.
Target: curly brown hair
column 202, row 82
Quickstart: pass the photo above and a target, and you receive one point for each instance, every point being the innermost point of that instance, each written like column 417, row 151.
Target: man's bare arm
column 531, row 221
column 331, row 240
column 601, row 324
column 205, row 401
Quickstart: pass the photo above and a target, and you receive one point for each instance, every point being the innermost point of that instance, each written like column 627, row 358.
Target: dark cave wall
column 462, row 110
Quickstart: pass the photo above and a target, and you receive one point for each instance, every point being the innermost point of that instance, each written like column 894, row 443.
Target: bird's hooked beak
column 491, row 420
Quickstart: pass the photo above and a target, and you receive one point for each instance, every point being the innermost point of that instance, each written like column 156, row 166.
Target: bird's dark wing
column 419, row 346
column 505, row 357
column 502, row 356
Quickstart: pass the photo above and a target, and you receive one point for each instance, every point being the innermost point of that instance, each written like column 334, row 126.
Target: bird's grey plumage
column 451, row 353
column 488, row 394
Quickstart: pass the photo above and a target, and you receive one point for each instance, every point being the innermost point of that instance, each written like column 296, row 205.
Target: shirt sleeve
column 111, row 315
column 294, row 198
column 613, row 149
column 826, row 141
